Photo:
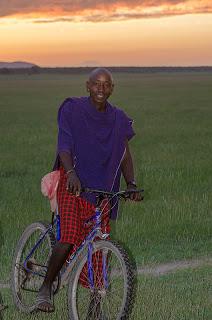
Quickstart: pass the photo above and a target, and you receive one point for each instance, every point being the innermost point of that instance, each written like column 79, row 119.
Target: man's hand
column 134, row 196
column 128, row 173
column 73, row 184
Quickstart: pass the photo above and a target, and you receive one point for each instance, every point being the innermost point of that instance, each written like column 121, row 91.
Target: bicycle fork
column 100, row 268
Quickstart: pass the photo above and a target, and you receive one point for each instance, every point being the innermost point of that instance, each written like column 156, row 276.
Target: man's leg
column 69, row 216
column 59, row 255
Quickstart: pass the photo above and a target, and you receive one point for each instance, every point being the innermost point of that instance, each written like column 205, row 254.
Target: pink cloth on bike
column 49, row 184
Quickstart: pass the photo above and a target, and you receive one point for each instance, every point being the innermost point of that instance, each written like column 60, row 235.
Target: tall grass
column 172, row 152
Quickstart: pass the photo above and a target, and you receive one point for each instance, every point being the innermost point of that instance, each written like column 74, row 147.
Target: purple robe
column 96, row 142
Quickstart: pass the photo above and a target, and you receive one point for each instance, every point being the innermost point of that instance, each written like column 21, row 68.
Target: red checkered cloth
column 74, row 213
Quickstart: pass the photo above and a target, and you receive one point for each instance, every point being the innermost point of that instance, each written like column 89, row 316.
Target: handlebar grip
column 127, row 194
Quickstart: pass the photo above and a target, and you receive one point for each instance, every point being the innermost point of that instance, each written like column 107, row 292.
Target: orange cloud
column 46, row 11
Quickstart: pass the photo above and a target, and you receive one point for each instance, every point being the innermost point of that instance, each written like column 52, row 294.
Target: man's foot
column 44, row 301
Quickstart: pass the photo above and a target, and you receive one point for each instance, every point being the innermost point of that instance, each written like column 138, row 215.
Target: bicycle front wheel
column 27, row 280
column 101, row 287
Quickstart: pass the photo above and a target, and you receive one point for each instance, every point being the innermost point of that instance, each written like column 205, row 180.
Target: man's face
column 100, row 87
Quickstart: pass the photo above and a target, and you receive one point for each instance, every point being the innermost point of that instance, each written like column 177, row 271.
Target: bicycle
column 105, row 292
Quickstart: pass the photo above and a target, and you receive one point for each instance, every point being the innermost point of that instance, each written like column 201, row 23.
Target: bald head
column 100, row 71
column 100, row 87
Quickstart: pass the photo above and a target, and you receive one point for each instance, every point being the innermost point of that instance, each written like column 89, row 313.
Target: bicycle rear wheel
column 24, row 283
column 111, row 294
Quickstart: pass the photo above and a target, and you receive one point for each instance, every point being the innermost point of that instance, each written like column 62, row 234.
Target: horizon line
column 34, row 65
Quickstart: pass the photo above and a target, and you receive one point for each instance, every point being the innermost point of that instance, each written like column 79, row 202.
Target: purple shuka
column 96, row 141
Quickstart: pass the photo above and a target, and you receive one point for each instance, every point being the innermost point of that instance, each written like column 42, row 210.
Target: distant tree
column 34, row 70
column 4, row 71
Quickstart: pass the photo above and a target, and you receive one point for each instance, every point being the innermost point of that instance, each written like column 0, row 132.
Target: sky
column 106, row 32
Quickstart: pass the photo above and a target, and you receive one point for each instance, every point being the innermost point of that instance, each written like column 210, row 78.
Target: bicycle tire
column 81, row 299
column 25, row 285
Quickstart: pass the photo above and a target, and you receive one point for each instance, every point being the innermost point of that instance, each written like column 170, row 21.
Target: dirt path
column 4, row 284
column 160, row 269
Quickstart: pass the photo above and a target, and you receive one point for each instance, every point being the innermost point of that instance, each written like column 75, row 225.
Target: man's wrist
column 70, row 171
column 132, row 183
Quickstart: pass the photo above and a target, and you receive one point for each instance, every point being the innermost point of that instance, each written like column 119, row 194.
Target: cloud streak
column 46, row 11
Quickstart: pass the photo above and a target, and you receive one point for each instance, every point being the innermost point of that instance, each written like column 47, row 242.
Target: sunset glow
column 140, row 33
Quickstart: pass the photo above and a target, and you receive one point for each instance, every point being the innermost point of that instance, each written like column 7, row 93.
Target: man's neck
column 101, row 107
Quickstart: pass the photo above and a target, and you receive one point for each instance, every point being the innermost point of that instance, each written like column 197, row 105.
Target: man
column 92, row 152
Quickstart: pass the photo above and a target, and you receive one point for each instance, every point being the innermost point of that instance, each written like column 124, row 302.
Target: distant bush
column 86, row 70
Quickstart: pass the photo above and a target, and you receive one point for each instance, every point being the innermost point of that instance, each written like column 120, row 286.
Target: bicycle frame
column 96, row 231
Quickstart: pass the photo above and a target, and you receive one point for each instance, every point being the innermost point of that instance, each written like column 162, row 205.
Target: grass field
column 172, row 152
column 185, row 295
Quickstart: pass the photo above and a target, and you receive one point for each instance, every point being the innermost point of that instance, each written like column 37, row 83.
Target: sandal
column 45, row 303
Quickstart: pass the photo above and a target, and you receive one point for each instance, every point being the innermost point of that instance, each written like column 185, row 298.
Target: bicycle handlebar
column 122, row 194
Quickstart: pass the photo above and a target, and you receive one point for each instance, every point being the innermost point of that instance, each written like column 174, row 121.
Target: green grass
column 185, row 295
column 172, row 152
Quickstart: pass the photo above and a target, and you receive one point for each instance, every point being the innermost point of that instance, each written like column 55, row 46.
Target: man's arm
column 73, row 183
column 127, row 169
